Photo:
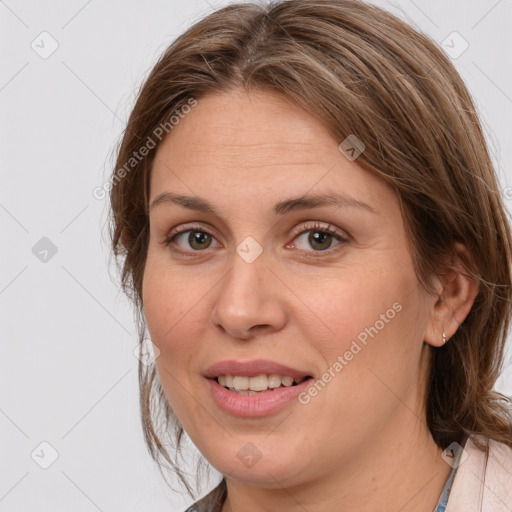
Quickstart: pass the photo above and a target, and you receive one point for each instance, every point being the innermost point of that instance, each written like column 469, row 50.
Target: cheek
column 376, row 321
column 356, row 307
column 175, row 318
column 174, row 312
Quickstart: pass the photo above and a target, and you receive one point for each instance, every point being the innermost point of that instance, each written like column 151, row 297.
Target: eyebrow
column 293, row 204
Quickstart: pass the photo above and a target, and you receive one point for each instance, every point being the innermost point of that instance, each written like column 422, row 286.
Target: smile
column 254, row 385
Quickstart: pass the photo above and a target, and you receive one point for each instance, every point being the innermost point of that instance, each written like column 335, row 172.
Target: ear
column 456, row 295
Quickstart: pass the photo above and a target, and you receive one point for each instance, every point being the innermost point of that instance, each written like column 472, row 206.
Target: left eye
column 320, row 239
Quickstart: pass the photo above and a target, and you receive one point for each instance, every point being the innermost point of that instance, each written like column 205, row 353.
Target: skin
column 362, row 443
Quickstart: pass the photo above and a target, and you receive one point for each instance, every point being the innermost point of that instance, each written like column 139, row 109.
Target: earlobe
column 458, row 291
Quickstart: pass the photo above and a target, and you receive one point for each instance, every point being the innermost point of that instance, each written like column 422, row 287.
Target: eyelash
column 169, row 240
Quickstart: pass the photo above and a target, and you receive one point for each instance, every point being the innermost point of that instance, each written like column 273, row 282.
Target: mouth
column 256, row 385
column 258, row 399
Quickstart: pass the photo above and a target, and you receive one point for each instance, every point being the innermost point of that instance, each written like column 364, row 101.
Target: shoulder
column 212, row 502
column 483, row 481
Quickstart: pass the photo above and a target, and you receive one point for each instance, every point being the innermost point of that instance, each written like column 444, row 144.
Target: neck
column 395, row 472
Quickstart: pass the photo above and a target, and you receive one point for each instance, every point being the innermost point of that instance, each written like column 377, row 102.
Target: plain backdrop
column 69, row 417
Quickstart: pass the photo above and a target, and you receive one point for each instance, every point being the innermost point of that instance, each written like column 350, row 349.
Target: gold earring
column 444, row 337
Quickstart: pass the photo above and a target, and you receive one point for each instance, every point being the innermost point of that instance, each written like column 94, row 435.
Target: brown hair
column 361, row 71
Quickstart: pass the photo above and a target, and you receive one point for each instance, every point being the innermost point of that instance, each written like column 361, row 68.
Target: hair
column 364, row 72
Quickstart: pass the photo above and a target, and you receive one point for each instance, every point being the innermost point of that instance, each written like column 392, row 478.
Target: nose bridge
column 248, row 295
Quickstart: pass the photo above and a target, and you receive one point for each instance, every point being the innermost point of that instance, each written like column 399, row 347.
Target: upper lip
column 253, row 368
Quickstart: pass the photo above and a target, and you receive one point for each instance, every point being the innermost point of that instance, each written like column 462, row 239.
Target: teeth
column 255, row 384
column 259, row 383
column 274, row 381
column 286, row 381
column 241, row 383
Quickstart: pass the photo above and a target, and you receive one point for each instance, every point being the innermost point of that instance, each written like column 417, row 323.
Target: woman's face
column 257, row 278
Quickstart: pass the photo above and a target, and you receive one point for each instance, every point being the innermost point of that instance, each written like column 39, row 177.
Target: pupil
column 317, row 237
column 199, row 237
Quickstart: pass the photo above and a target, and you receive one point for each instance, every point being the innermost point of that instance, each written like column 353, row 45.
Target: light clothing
column 483, row 482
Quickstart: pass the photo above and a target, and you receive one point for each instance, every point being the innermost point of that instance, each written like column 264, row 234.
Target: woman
column 312, row 232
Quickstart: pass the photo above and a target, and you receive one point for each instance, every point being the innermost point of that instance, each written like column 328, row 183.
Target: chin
column 270, row 469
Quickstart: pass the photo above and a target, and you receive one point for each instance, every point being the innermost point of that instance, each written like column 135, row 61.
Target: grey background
column 68, row 372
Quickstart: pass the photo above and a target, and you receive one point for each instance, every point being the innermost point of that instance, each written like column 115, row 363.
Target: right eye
column 196, row 238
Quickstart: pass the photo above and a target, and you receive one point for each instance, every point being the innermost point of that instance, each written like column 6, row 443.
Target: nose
column 249, row 300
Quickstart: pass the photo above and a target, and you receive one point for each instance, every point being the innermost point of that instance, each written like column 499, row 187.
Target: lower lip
column 261, row 404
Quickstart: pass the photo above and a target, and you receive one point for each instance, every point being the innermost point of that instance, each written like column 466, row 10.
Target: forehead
column 237, row 124
column 255, row 143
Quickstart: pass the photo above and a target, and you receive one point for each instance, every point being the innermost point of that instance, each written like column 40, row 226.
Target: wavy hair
column 363, row 71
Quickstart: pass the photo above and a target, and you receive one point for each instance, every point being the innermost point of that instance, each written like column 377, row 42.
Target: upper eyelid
column 305, row 226
column 320, row 226
column 192, row 227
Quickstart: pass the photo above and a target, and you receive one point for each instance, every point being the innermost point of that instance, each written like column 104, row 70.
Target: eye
column 318, row 237
column 195, row 238
column 323, row 239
